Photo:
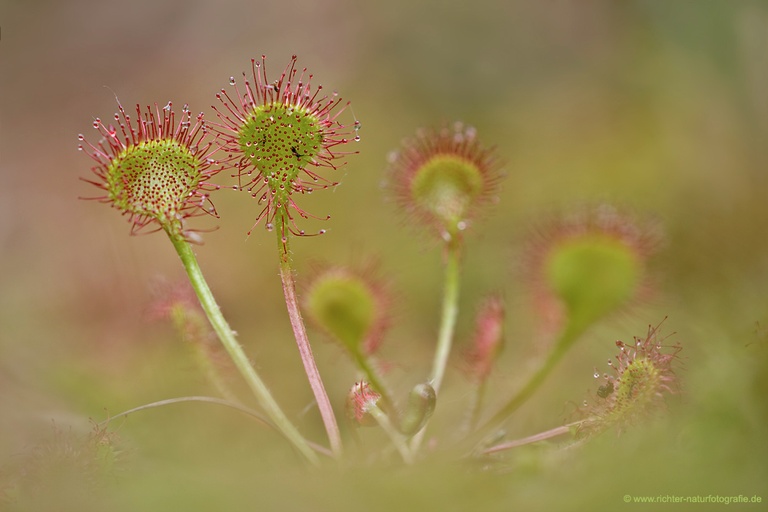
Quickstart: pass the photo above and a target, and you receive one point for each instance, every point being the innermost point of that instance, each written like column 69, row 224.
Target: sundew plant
column 275, row 135
column 280, row 138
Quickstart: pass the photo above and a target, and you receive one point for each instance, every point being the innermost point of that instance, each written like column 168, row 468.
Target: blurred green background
column 658, row 106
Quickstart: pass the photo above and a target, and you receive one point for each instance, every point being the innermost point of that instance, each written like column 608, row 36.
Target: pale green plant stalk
column 397, row 438
column 450, row 312
column 235, row 351
column 305, row 349
column 567, row 338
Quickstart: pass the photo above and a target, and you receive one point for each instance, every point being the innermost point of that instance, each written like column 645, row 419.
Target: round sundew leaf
column 593, row 275
column 280, row 140
column 446, row 186
column 153, row 178
column 280, row 135
column 344, row 307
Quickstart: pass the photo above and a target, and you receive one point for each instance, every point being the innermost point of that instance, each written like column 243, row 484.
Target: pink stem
column 541, row 436
column 305, row 350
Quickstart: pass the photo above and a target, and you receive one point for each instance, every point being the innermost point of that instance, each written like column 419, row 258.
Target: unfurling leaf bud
column 359, row 400
column 421, row 405
column 488, row 339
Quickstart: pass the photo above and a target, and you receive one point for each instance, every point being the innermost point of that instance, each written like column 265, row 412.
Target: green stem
column 397, row 438
column 235, row 351
column 305, row 349
column 530, row 387
column 569, row 335
column 449, row 315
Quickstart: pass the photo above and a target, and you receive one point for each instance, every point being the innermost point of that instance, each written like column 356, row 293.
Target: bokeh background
column 657, row 106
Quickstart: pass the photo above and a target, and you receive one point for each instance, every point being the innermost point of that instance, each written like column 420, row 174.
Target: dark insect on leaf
column 605, row 390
